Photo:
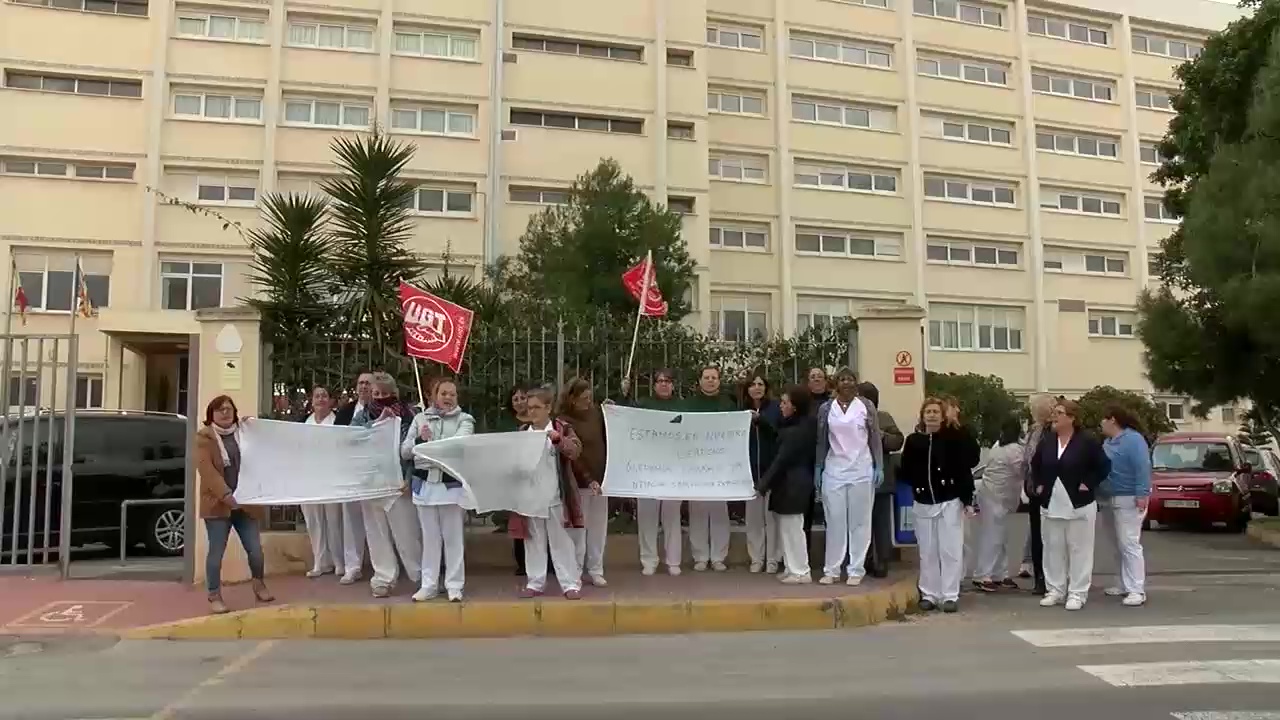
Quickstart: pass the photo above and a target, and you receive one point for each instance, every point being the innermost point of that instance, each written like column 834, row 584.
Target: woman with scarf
column 391, row 525
column 762, row 528
column 218, row 467
column 788, row 482
column 850, row 466
column 324, row 521
column 580, row 412
column 437, row 495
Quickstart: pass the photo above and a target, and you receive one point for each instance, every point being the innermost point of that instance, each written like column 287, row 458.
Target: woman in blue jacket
column 1122, row 499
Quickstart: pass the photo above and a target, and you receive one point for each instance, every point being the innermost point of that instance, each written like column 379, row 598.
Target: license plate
column 1182, row 503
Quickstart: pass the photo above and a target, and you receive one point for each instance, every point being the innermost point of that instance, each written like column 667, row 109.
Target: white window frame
column 301, row 184
column 1053, row 86
column 530, row 195
column 742, row 101
column 70, row 169
column 91, row 381
column 43, row 305
column 967, row 323
column 942, row 10
column 739, row 168
column 189, row 276
column 846, row 51
column 747, row 231
column 1144, row 40
column 228, row 184
column 49, row 83
column 883, row 247
column 459, row 45
column 1161, row 214
column 234, row 103
column 1121, row 324
column 1113, row 264
column 971, row 185
column 343, row 106
column 938, row 66
column 810, row 309
column 720, row 34
column 238, row 23
column 721, row 304
column 446, row 194
column 1068, row 142
column 447, row 115
column 1044, row 26
column 1166, row 406
column 965, row 253
column 1080, row 198
column 880, row 119
column 1154, row 148
column 1152, row 94
column 680, row 130
column 945, row 127
column 348, row 29
column 823, row 173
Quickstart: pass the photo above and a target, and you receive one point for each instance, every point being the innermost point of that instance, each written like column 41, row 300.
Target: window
column 567, row 46
column 964, row 252
column 566, row 121
column 302, row 185
column 1151, row 44
column 66, row 169
column 836, row 112
column 738, row 38
column 327, row 113
column 849, row 52
column 222, row 27
column 217, row 106
column 1175, row 410
column 811, row 313
column 1230, row 416
column 1153, row 209
column 740, row 318
column 1083, row 88
column 1076, row 202
column 112, row 87
column 986, row 132
column 452, row 44
column 460, row 122
column 541, row 196
column 1153, row 263
column 975, row 328
column 88, row 391
column 190, row 285
column 1065, row 260
column 971, row 13
column 1103, row 264
column 226, row 190
column 49, row 282
column 739, row 168
column 136, row 8
column 739, row 236
column 1073, row 30
column 680, row 58
column 937, row 187
column 679, row 130
column 331, row 36
column 22, row 393
column 869, row 3
column 842, row 243
column 728, row 101
column 840, row 177
column 952, row 68
column 1109, row 324
column 1149, row 154
column 1072, row 144
column 1154, row 99
column 445, row 201
column 680, row 205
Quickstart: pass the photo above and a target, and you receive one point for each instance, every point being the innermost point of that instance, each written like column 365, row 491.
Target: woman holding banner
column 650, row 510
column 579, row 411
column 511, row 419
column 850, row 466
column 762, row 532
column 788, row 482
column 709, row 520
column 324, row 521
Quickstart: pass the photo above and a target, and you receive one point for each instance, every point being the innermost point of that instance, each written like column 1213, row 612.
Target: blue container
column 904, row 532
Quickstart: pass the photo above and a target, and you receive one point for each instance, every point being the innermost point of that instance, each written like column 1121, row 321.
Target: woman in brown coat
column 218, row 465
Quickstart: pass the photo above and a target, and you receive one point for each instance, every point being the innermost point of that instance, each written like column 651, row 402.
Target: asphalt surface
column 1213, row 647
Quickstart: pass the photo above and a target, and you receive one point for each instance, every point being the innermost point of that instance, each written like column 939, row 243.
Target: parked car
column 1264, row 490
column 1199, row 479
column 118, row 456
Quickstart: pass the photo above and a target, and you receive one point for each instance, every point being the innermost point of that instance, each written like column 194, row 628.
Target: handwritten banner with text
column 677, row 456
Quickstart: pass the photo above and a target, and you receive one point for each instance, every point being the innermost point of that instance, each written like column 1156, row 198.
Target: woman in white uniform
column 324, row 521
column 997, row 498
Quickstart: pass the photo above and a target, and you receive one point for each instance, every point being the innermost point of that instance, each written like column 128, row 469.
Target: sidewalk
column 734, row 601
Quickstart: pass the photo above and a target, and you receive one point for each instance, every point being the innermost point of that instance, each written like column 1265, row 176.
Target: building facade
column 987, row 161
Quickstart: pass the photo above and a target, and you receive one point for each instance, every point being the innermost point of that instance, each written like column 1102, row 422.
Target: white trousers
column 648, row 513
column 324, row 529
column 762, row 532
column 588, row 542
column 708, row 531
column 846, row 510
column 353, row 539
column 550, row 532
column 1068, row 553
column 442, row 532
column 992, row 561
column 940, row 542
column 793, row 544
column 390, row 533
column 1121, row 523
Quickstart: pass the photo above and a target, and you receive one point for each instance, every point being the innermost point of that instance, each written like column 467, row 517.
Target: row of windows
column 82, row 170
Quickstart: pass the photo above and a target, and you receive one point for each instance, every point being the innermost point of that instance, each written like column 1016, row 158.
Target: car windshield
column 1253, row 457
column 1191, row 456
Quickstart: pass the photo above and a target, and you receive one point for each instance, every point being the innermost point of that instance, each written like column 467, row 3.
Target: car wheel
column 166, row 532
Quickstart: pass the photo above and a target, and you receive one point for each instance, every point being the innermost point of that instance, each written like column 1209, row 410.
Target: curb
column 540, row 619
column 1264, row 534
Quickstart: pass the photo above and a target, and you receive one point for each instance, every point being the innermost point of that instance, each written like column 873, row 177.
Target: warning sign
column 903, row 359
column 904, row 376
column 71, row 614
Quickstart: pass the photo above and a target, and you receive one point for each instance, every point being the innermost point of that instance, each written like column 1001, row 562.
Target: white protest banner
column 501, row 471
column 677, row 456
column 290, row 463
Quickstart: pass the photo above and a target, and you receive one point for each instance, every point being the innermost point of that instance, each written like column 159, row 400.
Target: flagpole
column 644, row 297
column 75, row 299
column 13, row 276
column 422, row 397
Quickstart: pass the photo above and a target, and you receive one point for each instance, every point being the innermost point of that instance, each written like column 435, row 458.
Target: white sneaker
column 381, row 591
column 424, row 595
column 789, row 579
column 757, row 567
column 316, row 572
column 719, row 566
column 1075, row 603
column 599, row 581
column 351, row 577
column 771, row 568
column 646, row 570
column 854, row 582
column 1114, row 591
column 673, row 570
column 1050, row 600
column 455, row 596
column 700, row 567
column 1134, row 600
column 828, row 580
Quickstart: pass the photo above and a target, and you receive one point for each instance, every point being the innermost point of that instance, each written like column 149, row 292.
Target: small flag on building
column 19, row 295
column 84, row 306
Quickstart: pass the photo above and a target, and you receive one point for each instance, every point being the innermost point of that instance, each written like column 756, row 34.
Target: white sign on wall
column 677, row 456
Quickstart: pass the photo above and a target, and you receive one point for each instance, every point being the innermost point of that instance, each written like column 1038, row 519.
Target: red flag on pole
column 434, row 329
column 640, row 286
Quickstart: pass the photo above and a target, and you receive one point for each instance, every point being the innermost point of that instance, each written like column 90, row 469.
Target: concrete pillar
column 889, row 354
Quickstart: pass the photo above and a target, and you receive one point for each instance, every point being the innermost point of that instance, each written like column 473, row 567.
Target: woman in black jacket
column 1066, row 470
column 788, row 482
column 937, row 461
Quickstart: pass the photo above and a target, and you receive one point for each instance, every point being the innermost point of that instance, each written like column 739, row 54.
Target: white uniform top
column 848, row 459
column 547, row 470
column 1060, row 505
column 328, row 420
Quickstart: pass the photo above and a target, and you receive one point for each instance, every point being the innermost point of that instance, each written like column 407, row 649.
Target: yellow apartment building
column 986, row 160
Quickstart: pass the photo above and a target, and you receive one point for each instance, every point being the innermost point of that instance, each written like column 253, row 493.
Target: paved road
column 1208, row 642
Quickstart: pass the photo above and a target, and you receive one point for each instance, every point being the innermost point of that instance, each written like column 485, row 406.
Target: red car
column 1199, row 479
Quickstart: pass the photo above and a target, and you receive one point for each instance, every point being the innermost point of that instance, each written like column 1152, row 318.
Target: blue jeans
column 219, row 530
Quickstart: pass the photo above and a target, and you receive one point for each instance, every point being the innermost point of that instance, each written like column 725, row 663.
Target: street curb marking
column 541, row 619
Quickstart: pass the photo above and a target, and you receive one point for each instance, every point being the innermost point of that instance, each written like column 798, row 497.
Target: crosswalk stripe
column 1186, row 673
column 1078, row 637
column 1239, row 715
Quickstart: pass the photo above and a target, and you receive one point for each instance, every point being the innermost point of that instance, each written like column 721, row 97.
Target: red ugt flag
column 652, row 304
column 434, row 329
